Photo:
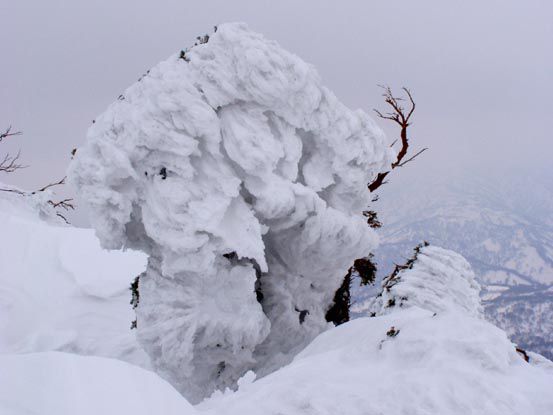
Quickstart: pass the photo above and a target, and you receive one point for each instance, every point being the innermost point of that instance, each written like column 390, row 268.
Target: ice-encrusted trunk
column 243, row 179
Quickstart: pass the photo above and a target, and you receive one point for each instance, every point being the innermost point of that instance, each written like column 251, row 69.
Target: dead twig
column 58, row 183
column 8, row 133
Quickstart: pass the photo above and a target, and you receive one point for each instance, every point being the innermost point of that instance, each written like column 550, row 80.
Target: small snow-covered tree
column 242, row 177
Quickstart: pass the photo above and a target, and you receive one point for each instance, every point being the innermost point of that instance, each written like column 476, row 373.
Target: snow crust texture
column 243, row 179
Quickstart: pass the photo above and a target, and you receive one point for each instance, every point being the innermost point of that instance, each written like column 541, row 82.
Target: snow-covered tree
column 244, row 180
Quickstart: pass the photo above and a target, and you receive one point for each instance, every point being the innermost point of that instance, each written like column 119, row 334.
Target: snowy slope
column 59, row 290
column 433, row 353
column 427, row 352
column 55, row 383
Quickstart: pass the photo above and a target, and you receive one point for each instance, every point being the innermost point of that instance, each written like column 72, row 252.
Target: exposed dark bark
column 364, row 269
column 338, row 313
column 402, row 117
column 523, row 353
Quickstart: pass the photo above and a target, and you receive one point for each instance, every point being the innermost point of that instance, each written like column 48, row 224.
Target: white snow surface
column 55, row 383
column 433, row 353
column 59, row 290
column 446, row 364
column 236, row 149
column 445, row 358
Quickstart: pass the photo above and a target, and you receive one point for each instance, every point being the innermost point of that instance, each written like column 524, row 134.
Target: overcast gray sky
column 481, row 71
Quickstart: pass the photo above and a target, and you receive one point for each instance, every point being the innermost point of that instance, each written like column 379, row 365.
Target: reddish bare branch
column 412, row 158
column 402, row 118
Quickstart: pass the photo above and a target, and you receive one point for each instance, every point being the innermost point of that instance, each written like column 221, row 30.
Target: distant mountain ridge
column 502, row 224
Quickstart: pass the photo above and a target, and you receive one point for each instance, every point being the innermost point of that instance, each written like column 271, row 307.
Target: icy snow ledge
column 435, row 279
column 55, row 383
column 236, row 171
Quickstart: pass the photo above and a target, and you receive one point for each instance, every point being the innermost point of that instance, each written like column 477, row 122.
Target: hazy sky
column 481, row 71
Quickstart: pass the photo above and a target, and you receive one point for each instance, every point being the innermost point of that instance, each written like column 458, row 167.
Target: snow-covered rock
column 431, row 354
column 243, row 179
column 55, row 383
column 59, row 290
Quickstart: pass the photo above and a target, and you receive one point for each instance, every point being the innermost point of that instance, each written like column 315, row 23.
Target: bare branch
column 412, row 103
column 63, row 217
column 400, row 117
column 9, row 163
column 62, row 181
column 411, row 158
column 65, row 204
column 19, row 192
column 8, row 133
column 388, row 116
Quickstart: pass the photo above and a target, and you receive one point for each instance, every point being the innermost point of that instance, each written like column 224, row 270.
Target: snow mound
column 428, row 356
column 243, row 179
column 55, row 383
column 435, row 279
column 59, row 290
column 445, row 364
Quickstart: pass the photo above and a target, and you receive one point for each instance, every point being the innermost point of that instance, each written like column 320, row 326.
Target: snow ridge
column 243, row 179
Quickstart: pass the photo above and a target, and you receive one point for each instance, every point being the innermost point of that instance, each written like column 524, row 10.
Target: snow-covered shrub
column 435, row 279
column 244, row 180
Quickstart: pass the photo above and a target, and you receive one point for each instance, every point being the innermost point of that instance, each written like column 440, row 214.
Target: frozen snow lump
column 243, row 179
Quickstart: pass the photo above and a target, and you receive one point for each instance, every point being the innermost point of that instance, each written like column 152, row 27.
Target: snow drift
column 54, row 383
column 59, row 290
column 243, row 179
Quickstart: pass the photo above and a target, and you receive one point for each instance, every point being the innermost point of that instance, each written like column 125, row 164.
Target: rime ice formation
column 243, row 179
column 436, row 279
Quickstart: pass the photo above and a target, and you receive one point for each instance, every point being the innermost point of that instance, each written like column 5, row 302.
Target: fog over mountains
column 501, row 221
